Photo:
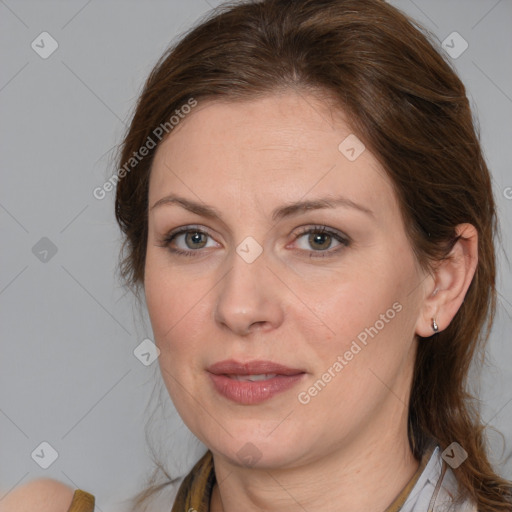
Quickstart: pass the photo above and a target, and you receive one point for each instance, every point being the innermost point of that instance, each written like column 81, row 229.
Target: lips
column 253, row 382
column 231, row 367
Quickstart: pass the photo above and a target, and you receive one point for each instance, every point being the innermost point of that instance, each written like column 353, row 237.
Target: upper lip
column 232, row 367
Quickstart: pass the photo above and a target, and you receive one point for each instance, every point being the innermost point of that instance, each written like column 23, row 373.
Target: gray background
column 68, row 374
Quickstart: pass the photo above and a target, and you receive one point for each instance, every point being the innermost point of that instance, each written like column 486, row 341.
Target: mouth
column 253, row 378
column 252, row 368
column 252, row 382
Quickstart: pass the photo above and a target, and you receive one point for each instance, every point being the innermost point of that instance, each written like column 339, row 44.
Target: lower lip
column 250, row 393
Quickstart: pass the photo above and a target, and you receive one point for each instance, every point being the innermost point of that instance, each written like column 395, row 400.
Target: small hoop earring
column 435, row 327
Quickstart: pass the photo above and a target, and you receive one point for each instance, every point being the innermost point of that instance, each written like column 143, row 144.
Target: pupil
column 317, row 239
column 195, row 237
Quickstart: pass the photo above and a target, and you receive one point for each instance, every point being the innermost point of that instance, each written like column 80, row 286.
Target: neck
column 361, row 476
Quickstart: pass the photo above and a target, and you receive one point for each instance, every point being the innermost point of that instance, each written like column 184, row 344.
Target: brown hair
column 408, row 106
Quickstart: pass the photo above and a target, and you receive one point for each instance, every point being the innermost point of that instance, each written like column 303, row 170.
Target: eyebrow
column 279, row 213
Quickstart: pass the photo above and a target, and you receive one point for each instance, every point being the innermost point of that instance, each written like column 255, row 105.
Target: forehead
column 279, row 147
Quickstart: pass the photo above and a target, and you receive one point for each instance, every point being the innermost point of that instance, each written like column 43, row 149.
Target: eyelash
column 344, row 240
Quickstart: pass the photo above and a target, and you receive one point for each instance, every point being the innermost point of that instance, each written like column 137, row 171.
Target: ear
column 451, row 280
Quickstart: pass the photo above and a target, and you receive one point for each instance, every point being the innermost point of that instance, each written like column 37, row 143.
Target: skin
column 245, row 159
column 43, row 495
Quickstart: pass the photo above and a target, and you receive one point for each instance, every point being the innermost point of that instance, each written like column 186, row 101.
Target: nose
column 249, row 297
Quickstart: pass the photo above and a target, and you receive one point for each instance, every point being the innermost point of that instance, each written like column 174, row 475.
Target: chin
column 259, row 452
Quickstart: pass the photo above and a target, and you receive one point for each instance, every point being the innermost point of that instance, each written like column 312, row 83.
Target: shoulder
column 43, row 495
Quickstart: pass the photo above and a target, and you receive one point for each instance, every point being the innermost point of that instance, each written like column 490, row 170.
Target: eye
column 192, row 238
column 321, row 238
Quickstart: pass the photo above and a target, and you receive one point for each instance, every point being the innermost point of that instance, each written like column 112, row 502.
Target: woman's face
column 259, row 281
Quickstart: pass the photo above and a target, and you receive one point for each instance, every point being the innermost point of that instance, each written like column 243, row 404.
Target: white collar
column 436, row 489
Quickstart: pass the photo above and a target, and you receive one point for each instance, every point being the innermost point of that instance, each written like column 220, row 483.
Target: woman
column 319, row 216
column 307, row 210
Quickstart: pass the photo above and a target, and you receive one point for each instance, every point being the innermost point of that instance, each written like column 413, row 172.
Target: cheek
column 362, row 315
column 178, row 309
column 169, row 303
column 165, row 305
column 343, row 305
